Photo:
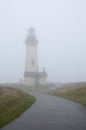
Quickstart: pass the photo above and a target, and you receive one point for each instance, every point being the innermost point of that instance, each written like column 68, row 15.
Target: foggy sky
column 61, row 31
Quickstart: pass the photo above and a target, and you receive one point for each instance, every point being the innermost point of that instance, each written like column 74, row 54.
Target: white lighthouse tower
column 32, row 76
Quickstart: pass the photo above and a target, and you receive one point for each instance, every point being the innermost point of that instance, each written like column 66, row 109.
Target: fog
column 61, row 31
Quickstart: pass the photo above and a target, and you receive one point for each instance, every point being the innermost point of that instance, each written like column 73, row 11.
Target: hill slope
column 12, row 103
column 73, row 91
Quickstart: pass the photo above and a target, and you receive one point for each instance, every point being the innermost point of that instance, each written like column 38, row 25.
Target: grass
column 38, row 88
column 12, row 103
column 77, row 92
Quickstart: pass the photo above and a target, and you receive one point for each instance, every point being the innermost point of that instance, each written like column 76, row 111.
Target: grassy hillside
column 73, row 91
column 12, row 103
column 38, row 88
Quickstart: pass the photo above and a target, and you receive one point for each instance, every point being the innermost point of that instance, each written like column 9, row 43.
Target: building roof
column 35, row 74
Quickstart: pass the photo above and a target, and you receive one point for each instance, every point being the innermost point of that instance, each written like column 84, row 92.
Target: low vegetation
column 76, row 92
column 12, row 103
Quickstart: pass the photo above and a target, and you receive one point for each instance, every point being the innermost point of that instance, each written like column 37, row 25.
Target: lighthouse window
column 32, row 62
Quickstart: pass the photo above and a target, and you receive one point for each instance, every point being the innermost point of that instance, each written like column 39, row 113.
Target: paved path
column 50, row 113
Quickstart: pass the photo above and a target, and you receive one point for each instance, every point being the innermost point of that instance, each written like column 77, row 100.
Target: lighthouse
column 32, row 75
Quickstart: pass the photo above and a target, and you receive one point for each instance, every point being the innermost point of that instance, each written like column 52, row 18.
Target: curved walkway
column 50, row 113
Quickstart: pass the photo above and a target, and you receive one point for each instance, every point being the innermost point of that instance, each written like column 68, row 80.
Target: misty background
column 61, row 31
